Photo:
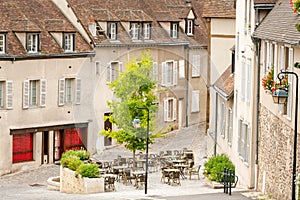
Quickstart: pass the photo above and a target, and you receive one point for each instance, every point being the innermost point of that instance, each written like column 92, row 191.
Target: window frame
column 147, row 30
column 113, row 71
column 112, row 30
column 3, row 43
column 174, row 29
column 71, row 93
column 134, row 30
column 170, row 109
column 69, row 42
column 33, row 42
column 190, row 27
column 169, row 73
column 34, row 93
column 195, row 101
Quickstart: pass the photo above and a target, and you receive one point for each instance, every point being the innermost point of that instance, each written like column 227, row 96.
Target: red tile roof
column 219, row 9
column 225, row 84
column 35, row 16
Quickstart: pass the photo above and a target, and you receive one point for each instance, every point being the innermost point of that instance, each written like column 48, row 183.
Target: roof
column 219, row 9
column 17, row 16
column 279, row 25
column 154, row 11
column 265, row 1
column 225, row 84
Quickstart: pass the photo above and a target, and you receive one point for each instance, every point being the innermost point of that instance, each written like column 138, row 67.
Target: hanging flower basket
column 295, row 4
column 270, row 85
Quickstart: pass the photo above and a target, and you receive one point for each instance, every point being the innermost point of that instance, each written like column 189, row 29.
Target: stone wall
column 275, row 158
column 70, row 184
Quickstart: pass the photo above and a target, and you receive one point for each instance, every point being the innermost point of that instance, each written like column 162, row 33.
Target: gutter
column 142, row 44
column 47, row 56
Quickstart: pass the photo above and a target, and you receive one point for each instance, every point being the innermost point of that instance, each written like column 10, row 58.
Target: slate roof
column 35, row 16
column 219, row 9
column 279, row 25
column 225, row 84
column 154, row 11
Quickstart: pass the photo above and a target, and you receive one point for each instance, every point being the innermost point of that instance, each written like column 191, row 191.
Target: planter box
column 213, row 184
column 70, row 184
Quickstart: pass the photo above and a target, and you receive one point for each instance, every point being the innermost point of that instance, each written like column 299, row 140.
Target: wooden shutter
column 175, row 73
column 195, row 100
column 26, row 94
column 9, row 94
column 174, row 109
column 78, row 91
column 61, row 92
column 164, row 74
column 166, row 110
column 108, row 72
column 43, row 89
column 155, row 72
column 181, row 69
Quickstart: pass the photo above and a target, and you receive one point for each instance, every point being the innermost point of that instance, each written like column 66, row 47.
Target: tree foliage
column 135, row 93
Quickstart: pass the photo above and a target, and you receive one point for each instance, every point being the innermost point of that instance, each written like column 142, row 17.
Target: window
column 2, row 43
column 147, row 30
column 97, row 68
column 229, row 126
column 113, row 71
column 112, row 30
column 32, row 42
column 134, row 27
column 181, row 69
column 195, row 100
column 2, row 83
column 170, row 107
column 169, row 73
column 174, row 29
column 222, row 119
column 190, row 25
column 34, row 93
column 22, row 147
column 243, row 79
column 244, row 141
column 155, row 71
column 195, row 65
column 69, row 42
column 248, row 83
column 69, row 91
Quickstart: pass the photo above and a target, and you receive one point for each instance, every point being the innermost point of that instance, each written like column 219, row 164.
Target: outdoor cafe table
column 178, row 161
column 181, row 167
column 136, row 174
column 169, row 171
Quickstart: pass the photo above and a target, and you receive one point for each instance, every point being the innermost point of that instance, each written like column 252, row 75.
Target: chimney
column 188, row 3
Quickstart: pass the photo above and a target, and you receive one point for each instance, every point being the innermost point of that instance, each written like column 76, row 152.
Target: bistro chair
column 175, row 177
column 127, row 177
column 109, row 183
column 195, row 170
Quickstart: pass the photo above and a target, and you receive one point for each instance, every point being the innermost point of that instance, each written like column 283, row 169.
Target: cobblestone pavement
column 32, row 184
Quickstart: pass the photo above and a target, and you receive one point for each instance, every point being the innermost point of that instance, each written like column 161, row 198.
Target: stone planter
column 70, row 184
column 213, row 184
column 53, row 183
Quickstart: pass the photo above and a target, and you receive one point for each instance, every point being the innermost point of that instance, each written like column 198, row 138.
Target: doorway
column 107, row 126
column 45, row 153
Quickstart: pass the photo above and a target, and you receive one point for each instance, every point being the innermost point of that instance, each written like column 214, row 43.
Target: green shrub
column 215, row 165
column 88, row 170
column 72, row 162
column 83, row 154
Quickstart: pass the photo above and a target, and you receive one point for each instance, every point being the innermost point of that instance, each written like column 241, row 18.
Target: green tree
column 135, row 92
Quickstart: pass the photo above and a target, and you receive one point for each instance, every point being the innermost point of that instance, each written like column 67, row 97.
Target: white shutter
column 120, row 67
column 43, row 89
column 78, row 91
column 108, row 72
column 291, row 59
column 164, row 74
column 268, row 57
column 282, row 62
column 174, row 109
column 181, row 69
column 243, row 78
column 248, row 81
column 165, row 110
column 195, row 101
column 97, row 68
column 175, row 72
column 61, row 92
column 9, row 94
column 26, row 94
column 275, row 62
column 155, row 72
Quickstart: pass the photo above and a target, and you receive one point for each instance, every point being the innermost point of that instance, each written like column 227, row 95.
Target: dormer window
column 2, row 43
column 190, row 27
column 174, row 30
column 32, row 42
column 69, row 42
column 147, row 30
column 134, row 28
column 112, row 30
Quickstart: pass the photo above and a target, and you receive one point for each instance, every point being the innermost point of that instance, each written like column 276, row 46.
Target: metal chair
column 195, row 170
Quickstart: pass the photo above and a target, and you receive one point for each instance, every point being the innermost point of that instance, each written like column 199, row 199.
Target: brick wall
column 275, row 155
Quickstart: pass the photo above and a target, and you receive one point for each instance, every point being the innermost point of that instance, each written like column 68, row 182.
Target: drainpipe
column 216, row 125
column 187, row 85
column 257, row 42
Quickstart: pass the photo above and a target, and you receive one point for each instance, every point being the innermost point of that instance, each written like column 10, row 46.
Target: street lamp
column 280, row 96
column 137, row 123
